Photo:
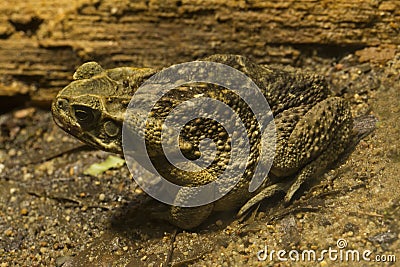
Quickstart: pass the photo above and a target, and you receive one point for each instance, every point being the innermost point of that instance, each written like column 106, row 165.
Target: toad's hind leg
column 332, row 124
column 336, row 153
column 306, row 147
column 302, row 137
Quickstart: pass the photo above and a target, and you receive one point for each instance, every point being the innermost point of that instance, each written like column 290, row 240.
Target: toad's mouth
column 87, row 137
column 62, row 117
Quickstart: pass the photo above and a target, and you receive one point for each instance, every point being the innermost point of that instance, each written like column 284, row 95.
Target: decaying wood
column 42, row 42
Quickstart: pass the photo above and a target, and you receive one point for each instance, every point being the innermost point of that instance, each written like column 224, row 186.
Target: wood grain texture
column 42, row 42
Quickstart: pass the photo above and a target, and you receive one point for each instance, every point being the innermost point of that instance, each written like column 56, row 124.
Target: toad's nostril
column 62, row 104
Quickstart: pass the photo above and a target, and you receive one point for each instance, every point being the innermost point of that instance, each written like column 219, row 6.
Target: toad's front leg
column 187, row 211
column 185, row 217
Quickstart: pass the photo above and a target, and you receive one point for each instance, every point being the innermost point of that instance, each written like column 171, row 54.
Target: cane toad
column 313, row 128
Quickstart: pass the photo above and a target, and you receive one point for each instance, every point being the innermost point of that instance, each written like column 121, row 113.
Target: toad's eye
column 84, row 115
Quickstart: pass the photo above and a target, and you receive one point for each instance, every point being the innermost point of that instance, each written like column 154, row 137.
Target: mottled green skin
column 312, row 128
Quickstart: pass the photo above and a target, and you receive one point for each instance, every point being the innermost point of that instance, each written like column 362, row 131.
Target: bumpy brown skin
column 312, row 128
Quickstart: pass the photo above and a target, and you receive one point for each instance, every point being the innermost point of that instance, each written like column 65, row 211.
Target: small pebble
column 13, row 190
column 350, row 233
column 24, row 211
column 8, row 232
column 138, row 191
column 299, row 215
column 102, row 197
column 12, row 152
